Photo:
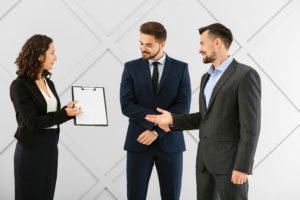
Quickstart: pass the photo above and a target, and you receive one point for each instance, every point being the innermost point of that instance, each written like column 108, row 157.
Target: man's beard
column 150, row 57
column 209, row 59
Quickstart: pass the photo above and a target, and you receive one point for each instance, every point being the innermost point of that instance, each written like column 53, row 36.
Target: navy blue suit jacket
column 138, row 99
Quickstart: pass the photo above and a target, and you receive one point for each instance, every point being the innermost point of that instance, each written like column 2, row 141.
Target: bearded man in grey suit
column 228, row 119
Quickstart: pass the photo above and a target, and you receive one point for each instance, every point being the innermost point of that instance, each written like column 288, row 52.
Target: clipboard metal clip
column 88, row 88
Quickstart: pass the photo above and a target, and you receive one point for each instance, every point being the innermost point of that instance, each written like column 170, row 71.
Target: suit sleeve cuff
column 244, row 165
column 159, row 131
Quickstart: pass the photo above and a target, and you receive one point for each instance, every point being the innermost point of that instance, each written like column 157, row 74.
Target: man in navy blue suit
column 155, row 80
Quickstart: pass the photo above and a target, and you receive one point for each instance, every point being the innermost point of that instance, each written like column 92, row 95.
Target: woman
column 39, row 115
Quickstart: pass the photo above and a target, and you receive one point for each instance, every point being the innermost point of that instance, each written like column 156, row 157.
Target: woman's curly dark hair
column 28, row 61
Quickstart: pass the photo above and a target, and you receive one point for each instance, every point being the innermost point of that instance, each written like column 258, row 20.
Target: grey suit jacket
column 229, row 127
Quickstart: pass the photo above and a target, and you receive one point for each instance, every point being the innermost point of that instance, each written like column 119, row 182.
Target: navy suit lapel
column 166, row 71
column 147, row 74
column 227, row 74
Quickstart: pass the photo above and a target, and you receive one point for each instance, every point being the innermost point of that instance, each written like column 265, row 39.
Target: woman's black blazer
column 31, row 110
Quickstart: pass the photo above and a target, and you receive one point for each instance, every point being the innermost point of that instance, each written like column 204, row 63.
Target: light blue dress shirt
column 215, row 75
column 160, row 66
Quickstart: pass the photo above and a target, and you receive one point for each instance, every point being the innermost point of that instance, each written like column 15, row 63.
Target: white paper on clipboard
column 92, row 102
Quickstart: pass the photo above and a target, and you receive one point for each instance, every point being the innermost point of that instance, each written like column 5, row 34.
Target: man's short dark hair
column 156, row 29
column 220, row 31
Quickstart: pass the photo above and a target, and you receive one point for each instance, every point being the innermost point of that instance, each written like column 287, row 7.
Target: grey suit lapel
column 227, row 74
column 201, row 96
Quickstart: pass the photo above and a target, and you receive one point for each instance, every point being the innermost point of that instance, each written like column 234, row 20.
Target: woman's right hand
column 73, row 111
column 71, row 104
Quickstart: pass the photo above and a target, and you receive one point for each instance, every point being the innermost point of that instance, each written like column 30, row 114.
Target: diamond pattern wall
column 93, row 40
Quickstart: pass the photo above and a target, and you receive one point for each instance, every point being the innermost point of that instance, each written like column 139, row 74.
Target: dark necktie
column 155, row 76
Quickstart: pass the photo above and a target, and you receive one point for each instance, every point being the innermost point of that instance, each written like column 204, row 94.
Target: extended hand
column 238, row 177
column 147, row 137
column 73, row 111
column 163, row 120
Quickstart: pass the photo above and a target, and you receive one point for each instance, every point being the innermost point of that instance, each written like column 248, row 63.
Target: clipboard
column 93, row 103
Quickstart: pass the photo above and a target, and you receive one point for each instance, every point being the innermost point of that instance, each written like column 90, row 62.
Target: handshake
column 163, row 120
